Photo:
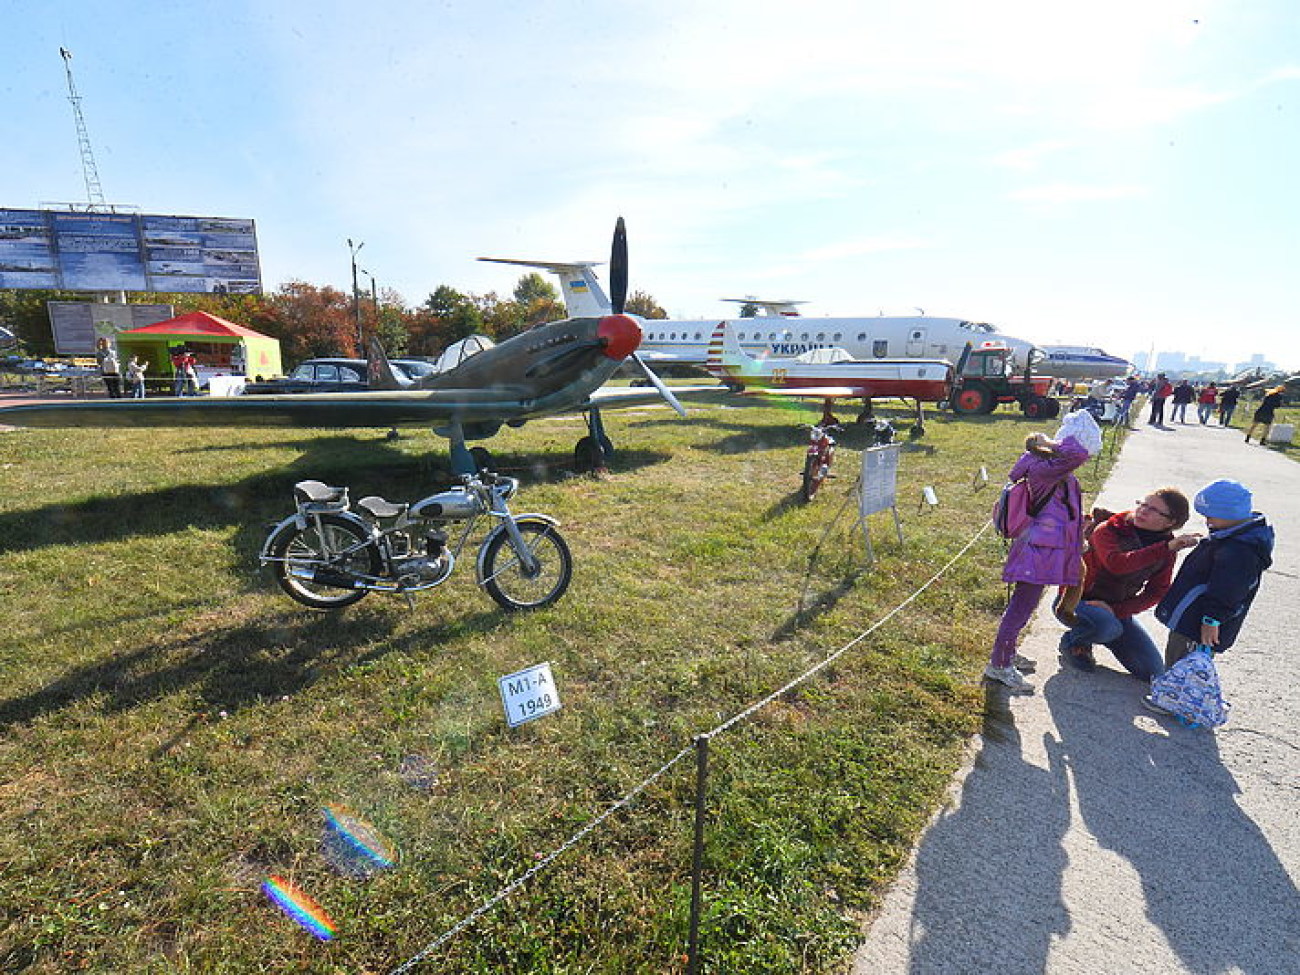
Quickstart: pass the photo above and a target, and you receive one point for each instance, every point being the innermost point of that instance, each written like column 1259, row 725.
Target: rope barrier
column 731, row 722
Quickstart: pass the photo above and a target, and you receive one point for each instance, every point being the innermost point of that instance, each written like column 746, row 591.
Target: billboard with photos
column 83, row 251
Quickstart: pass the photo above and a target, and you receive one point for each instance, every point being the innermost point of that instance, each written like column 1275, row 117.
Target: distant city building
column 1256, row 362
column 1179, row 363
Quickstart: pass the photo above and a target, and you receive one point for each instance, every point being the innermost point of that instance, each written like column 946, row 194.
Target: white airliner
column 1082, row 362
column 780, row 331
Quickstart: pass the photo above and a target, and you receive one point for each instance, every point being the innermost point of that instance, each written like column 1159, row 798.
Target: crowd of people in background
column 1209, row 397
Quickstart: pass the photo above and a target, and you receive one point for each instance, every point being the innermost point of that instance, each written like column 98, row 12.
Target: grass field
column 171, row 726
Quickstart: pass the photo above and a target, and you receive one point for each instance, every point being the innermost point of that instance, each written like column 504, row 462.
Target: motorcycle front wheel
column 814, row 473
column 319, row 566
column 506, row 580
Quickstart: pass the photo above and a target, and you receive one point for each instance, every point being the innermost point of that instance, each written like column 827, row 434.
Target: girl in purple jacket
column 1047, row 552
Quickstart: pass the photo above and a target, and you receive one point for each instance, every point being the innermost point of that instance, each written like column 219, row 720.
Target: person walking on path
column 1205, row 403
column 1126, row 397
column 1265, row 413
column 1212, row 593
column 1047, row 552
column 1183, row 395
column 1228, row 405
column 1161, row 390
column 1128, row 565
column 135, row 370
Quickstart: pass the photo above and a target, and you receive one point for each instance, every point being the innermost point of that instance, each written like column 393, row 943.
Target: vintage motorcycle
column 821, row 454
column 331, row 553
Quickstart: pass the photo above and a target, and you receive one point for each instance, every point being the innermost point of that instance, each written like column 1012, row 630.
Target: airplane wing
column 807, row 392
column 387, row 408
column 618, row 396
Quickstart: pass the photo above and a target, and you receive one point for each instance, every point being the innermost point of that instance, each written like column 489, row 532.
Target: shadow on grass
column 231, row 667
column 252, row 505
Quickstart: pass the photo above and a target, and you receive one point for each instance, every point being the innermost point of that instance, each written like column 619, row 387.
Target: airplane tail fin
column 379, row 371
column 583, row 295
column 725, row 358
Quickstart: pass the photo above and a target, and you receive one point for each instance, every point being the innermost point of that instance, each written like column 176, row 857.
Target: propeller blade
column 618, row 268
column 658, row 383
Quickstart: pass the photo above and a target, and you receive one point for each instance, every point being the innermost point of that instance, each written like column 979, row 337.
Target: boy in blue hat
column 1212, row 592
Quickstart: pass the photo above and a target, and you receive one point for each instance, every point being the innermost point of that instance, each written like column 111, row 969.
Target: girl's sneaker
column 1011, row 677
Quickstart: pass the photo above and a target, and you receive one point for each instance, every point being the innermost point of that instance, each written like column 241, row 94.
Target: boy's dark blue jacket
column 1219, row 579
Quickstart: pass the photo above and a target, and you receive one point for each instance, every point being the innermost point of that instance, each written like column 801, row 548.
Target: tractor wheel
column 973, row 399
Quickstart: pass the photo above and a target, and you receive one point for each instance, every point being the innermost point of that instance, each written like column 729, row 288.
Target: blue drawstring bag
column 1190, row 690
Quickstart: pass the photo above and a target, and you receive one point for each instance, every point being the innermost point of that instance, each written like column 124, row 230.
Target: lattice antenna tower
column 94, row 192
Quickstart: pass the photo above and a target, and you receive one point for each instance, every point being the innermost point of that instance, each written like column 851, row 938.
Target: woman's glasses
column 1160, row 511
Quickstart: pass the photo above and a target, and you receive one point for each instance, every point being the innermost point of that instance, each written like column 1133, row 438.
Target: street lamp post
column 356, row 294
column 374, row 295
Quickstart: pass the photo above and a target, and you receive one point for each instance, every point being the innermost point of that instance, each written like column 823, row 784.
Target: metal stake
column 697, row 865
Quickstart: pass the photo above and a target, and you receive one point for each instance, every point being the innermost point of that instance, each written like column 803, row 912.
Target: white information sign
column 879, row 478
column 529, row 694
column 878, row 489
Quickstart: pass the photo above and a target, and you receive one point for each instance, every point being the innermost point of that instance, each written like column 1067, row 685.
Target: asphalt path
column 1088, row 835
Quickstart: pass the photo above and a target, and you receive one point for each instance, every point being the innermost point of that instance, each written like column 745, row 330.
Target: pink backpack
column 1014, row 510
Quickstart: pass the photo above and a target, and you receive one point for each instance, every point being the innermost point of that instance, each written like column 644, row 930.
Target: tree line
column 311, row 320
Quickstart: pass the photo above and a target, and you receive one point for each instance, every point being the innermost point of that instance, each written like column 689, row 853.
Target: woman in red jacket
column 1127, row 568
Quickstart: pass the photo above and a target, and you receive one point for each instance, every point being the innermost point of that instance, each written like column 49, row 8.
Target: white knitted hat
column 1082, row 426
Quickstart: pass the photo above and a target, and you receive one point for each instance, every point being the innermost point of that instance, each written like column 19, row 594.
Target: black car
column 332, row 376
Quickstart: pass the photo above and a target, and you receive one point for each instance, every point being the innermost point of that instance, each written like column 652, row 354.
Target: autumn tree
column 309, row 321
column 640, row 303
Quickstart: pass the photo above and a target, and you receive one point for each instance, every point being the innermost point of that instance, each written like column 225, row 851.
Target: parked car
column 316, row 376
column 332, row 375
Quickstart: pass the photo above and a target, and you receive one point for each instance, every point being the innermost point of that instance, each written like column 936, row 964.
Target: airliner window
column 821, row 336
column 804, row 337
column 698, row 336
column 862, row 336
column 741, row 336
column 917, row 335
column 836, row 337
column 880, row 348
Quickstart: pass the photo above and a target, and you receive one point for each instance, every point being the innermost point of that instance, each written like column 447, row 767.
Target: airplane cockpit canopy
column 458, row 352
column 825, row 356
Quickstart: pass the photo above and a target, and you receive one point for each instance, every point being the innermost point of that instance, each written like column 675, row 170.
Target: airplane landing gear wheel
column 588, row 456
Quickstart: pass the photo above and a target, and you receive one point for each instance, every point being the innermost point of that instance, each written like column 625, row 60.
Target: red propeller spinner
column 620, row 334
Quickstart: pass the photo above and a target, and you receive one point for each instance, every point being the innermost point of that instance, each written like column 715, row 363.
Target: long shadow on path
column 1157, row 794
column 969, row 915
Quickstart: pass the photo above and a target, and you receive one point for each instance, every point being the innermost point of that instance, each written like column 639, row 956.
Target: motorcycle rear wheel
column 514, row 589
column 308, row 560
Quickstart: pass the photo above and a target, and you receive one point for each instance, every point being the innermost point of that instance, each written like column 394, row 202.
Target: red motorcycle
column 821, row 453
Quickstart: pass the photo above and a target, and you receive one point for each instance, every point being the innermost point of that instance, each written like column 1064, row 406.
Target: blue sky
column 1113, row 173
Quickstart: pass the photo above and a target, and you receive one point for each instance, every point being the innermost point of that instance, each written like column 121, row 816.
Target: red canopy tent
column 214, row 341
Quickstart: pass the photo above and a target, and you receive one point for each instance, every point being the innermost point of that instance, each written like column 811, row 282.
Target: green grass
column 171, row 725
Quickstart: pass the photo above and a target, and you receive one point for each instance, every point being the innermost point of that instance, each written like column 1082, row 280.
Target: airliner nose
column 621, row 335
